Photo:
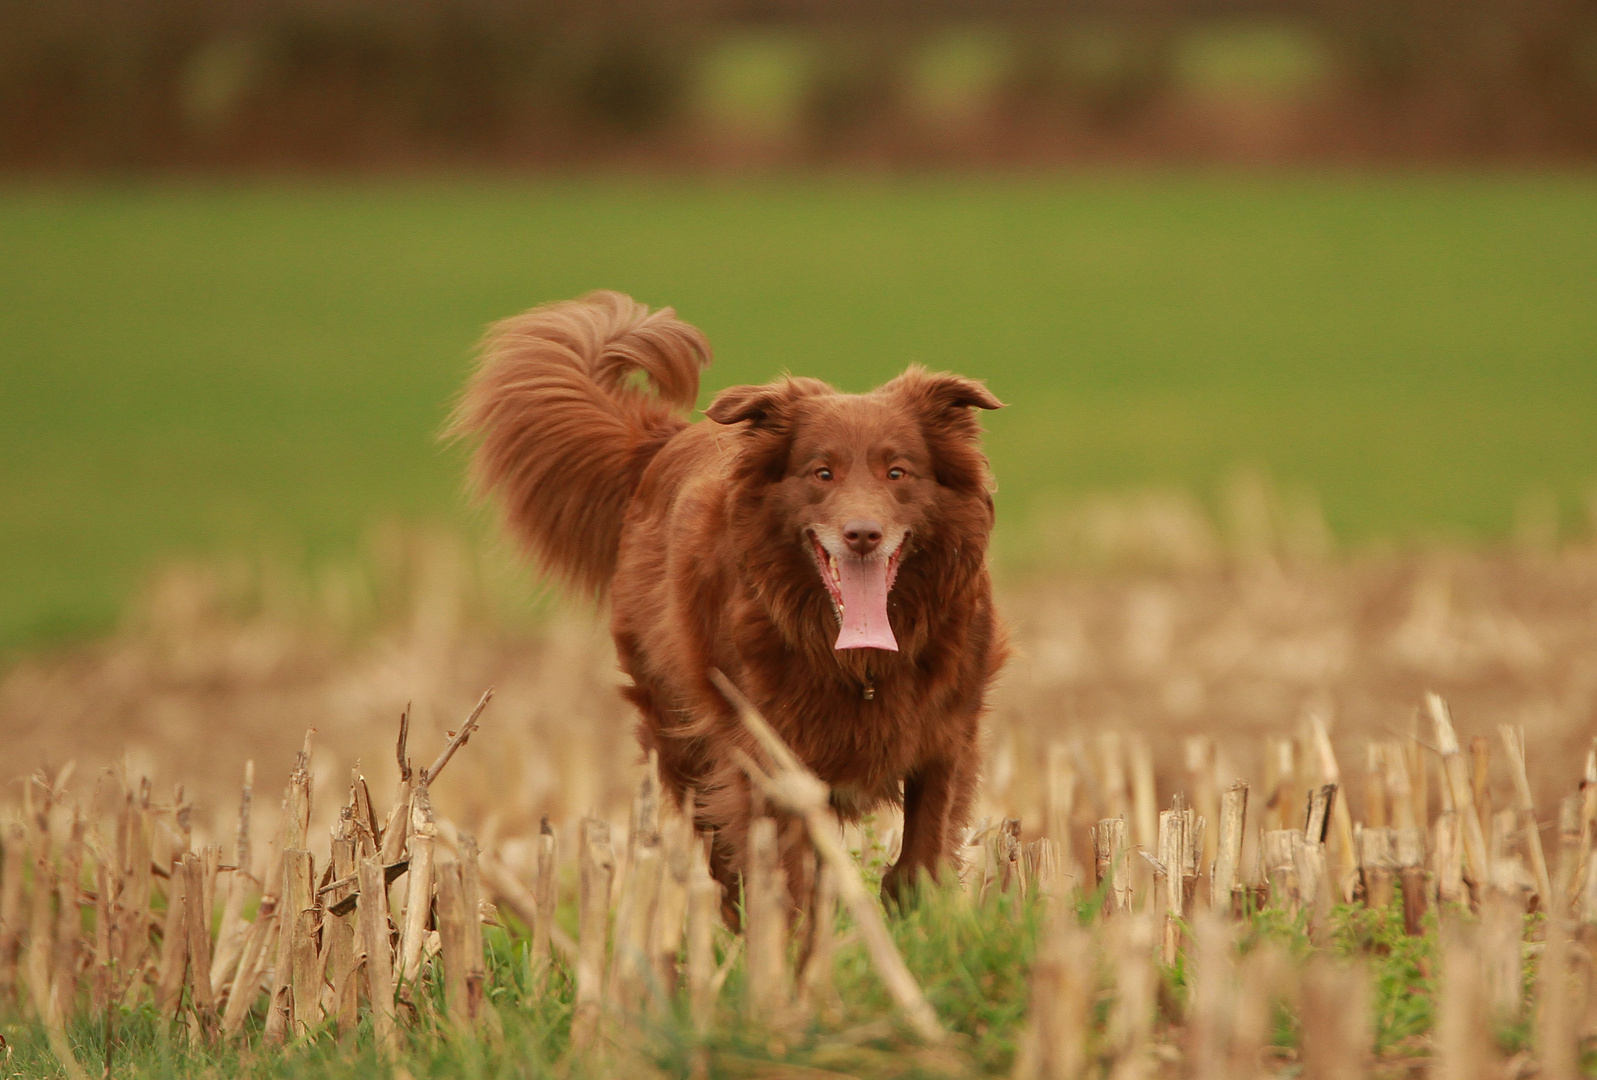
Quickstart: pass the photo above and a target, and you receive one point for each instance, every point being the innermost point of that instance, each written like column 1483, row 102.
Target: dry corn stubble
column 1223, row 652
column 303, row 926
column 1496, row 649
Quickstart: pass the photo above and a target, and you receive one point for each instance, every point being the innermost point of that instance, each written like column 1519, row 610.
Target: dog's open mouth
column 859, row 588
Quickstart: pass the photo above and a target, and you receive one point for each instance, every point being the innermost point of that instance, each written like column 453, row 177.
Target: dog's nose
column 863, row 537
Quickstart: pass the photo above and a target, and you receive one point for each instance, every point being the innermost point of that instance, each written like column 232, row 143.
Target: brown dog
column 827, row 551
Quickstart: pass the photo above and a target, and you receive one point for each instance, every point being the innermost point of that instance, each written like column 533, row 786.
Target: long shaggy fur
column 572, row 400
column 705, row 537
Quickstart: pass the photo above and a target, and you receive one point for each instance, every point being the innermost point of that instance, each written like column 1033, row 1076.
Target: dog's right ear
column 761, row 406
column 738, row 403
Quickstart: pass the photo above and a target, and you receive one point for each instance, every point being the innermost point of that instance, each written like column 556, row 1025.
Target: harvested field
column 1225, row 830
column 1375, row 886
column 218, row 667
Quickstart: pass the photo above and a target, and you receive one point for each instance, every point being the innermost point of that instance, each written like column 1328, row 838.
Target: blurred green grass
column 187, row 369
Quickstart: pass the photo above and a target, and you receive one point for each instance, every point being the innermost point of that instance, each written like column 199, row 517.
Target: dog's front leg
column 928, row 798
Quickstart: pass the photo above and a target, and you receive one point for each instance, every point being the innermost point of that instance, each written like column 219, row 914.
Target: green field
column 192, row 369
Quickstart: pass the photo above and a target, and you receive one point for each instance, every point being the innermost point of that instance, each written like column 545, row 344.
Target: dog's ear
column 938, row 392
column 940, row 397
column 762, row 406
column 738, row 403
column 944, row 404
column 958, row 392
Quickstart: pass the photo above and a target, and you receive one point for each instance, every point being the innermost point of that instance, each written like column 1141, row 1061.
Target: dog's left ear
column 958, row 392
column 944, row 404
column 937, row 394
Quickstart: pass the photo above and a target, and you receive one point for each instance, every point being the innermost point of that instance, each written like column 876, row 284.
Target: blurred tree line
column 141, row 84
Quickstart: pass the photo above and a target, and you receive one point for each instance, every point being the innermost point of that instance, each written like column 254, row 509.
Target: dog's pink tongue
column 864, row 586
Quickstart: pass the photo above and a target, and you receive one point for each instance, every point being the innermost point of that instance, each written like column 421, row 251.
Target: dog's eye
column 823, row 473
column 895, row 473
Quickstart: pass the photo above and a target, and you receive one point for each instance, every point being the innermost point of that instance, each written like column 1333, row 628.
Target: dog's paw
column 900, row 884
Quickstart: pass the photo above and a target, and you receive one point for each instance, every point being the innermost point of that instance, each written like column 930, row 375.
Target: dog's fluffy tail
column 571, row 401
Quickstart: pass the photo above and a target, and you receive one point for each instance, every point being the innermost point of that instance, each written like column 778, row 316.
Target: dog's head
column 863, row 484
